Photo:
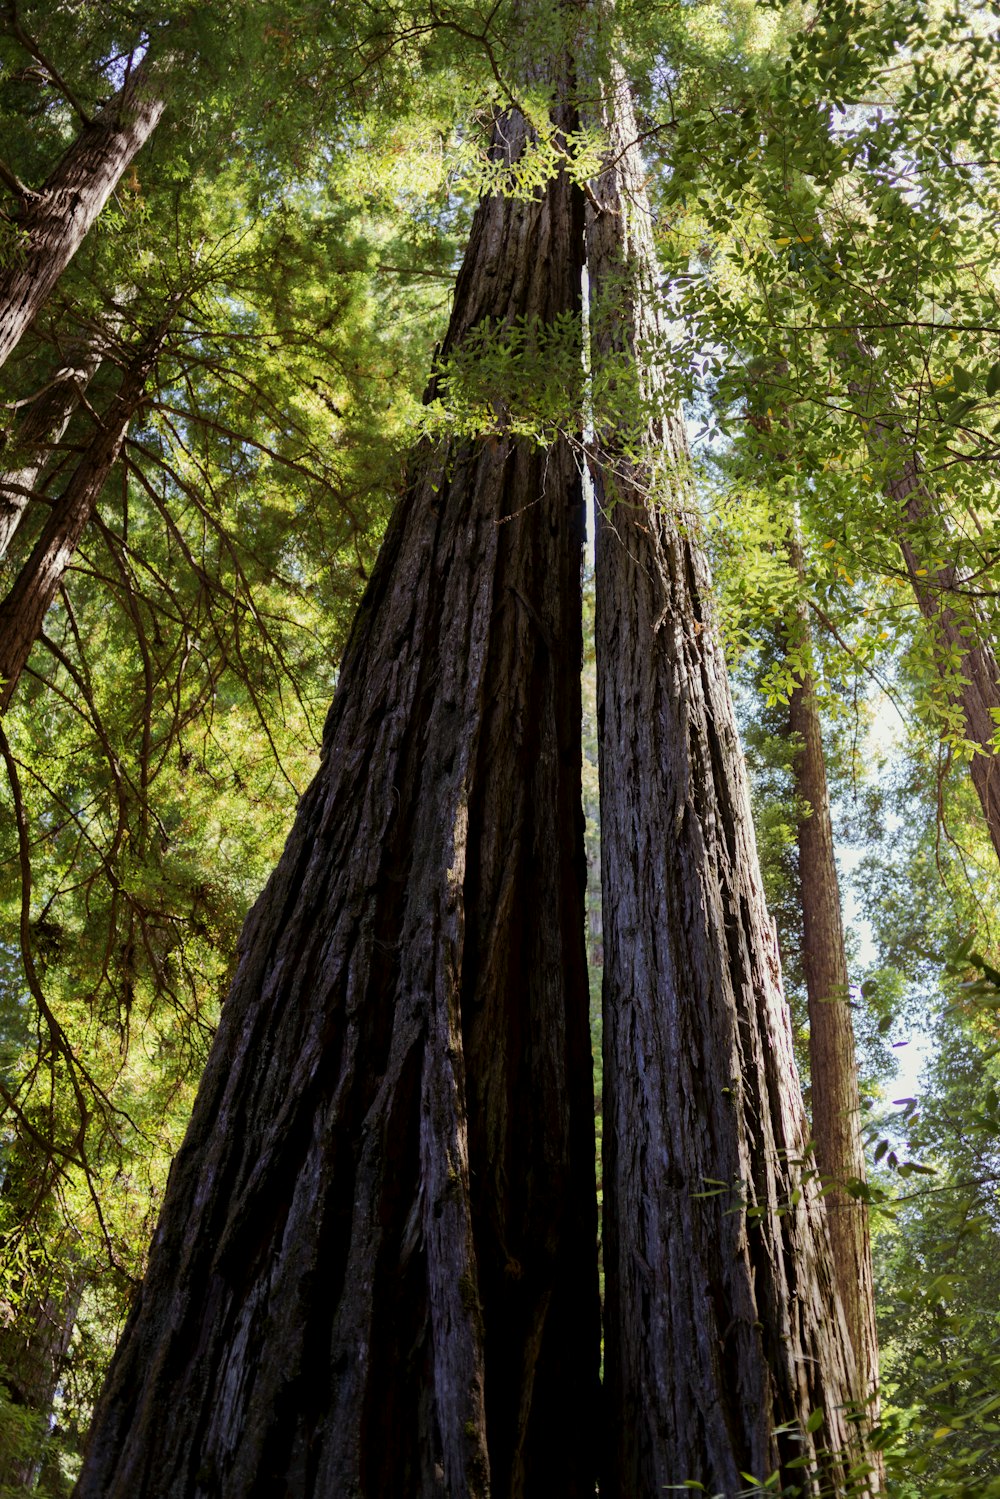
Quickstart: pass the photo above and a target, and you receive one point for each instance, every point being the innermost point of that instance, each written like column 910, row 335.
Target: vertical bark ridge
column 722, row 1324
column 369, row 1278
column 56, row 220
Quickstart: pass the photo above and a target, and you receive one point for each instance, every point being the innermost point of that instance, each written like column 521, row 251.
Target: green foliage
column 522, row 380
column 826, row 194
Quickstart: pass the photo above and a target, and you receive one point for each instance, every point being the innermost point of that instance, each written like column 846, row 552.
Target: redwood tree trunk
column 836, row 1101
column 722, row 1323
column 38, row 432
column 55, row 220
column 23, row 610
column 375, row 1270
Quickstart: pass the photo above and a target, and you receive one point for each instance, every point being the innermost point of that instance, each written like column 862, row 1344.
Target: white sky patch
column 588, row 425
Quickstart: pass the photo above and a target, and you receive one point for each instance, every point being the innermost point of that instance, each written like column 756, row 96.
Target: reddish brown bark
column 23, row 610
column 375, row 1271
column 722, row 1323
column 55, row 221
column 836, row 1101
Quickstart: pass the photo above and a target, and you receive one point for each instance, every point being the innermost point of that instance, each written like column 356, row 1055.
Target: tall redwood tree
column 833, row 1068
column 726, row 1349
column 375, row 1269
column 23, row 610
column 42, row 425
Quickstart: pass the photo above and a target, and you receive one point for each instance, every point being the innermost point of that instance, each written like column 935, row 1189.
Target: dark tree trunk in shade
column 40, row 429
column 54, row 221
column 836, row 1101
column 36, row 585
column 375, row 1270
column 722, row 1323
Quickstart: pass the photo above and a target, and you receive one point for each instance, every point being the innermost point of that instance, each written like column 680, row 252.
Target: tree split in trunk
column 375, row 1270
column 724, row 1336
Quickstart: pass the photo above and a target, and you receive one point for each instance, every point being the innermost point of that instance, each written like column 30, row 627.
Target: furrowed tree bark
column 23, row 610
column 375, row 1270
column 722, row 1323
column 836, row 1100
column 38, row 432
column 55, row 220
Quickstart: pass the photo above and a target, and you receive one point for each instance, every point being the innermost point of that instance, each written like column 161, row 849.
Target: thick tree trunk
column 375, row 1271
column 722, row 1324
column 36, row 585
column 836, row 1101
column 55, row 220
column 40, row 429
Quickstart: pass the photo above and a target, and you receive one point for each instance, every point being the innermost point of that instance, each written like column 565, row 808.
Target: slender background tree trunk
column 375, row 1271
column 55, row 220
column 39, row 431
column 964, row 652
column 722, row 1323
column 23, row 610
column 836, row 1101
column 975, row 688
column 32, row 1355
